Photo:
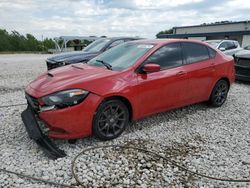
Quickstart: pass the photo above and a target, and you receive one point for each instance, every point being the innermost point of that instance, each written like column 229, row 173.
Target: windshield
column 96, row 46
column 122, row 56
column 247, row 47
column 213, row 43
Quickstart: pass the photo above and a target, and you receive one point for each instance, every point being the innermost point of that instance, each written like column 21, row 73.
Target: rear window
column 194, row 52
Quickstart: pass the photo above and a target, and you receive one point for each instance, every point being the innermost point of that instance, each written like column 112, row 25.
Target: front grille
column 33, row 102
column 243, row 62
column 242, row 71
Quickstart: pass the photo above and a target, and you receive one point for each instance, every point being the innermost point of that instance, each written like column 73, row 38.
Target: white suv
column 228, row 47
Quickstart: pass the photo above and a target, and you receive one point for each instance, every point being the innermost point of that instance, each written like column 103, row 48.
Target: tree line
column 13, row 41
column 167, row 31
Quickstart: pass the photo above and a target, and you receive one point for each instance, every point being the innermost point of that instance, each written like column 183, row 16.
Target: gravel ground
column 213, row 141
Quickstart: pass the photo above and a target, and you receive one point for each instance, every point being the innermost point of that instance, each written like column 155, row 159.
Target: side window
column 212, row 53
column 223, row 45
column 228, row 45
column 195, row 52
column 236, row 44
column 167, row 56
column 115, row 43
column 231, row 45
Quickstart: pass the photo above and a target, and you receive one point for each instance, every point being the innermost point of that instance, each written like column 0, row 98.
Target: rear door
column 200, row 68
column 167, row 88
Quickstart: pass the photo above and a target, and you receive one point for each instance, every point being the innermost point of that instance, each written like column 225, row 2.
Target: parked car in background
column 228, row 47
column 131, row 81
column 92, row 50
column 242, row 64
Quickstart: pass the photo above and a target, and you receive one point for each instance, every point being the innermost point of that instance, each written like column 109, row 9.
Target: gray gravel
column 213, row 141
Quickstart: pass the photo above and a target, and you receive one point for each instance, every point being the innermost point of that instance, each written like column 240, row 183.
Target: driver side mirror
column 151, row 67
column 222, row 49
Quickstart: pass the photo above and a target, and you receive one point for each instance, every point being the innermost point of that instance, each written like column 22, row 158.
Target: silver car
column 228, row 47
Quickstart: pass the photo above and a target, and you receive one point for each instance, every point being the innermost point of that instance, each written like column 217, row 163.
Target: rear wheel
column 111, row 119
column 219, row 93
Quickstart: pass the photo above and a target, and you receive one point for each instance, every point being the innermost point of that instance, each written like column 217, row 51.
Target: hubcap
column 221, row 93
column 112, row 120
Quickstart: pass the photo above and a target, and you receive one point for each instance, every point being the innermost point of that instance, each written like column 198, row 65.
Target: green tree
column 168, row 31
column 14, row 41
column 4, row 41
column 17, row 41
column 32, row 44
column 48, row 44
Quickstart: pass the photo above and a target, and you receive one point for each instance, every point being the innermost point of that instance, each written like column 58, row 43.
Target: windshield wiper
column 107, row 65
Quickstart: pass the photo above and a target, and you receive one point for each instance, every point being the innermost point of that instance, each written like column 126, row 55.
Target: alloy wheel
column 112, row 120
column 219, row 94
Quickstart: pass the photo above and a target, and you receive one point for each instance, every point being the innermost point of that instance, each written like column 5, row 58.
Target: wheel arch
column 226, row 79
column 221, row 78
column 125, row 101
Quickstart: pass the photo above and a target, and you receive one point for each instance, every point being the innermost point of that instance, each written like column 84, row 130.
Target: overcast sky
column 144, row 18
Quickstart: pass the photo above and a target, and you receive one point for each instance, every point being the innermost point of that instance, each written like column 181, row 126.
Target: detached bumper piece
column 35, row 133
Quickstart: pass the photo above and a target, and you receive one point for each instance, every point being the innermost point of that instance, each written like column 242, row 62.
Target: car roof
column 213, row 40
column 121, row 38
column 166, row 41
column 220, row 40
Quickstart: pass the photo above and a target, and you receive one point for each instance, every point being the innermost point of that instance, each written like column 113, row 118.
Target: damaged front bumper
column 35, row 133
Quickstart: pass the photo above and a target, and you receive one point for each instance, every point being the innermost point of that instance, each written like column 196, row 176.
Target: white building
column 239, row 31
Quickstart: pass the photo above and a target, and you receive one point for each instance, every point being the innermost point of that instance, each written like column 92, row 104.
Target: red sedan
column 126, row 83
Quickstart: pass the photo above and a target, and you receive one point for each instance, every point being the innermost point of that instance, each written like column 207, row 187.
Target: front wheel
column 110, row 120
column 219, row 93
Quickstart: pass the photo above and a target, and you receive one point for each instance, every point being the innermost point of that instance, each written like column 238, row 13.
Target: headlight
column 64, row 98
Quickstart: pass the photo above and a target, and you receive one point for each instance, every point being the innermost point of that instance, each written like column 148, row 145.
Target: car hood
column 71, row 56
column 68, row 77
column 243, row 54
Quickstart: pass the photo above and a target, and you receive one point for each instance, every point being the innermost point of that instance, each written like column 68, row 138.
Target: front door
column 165, row 89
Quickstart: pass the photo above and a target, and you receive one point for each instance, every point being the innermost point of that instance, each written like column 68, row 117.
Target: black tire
column 72, row 141
column 110, row 120
column 219, row 93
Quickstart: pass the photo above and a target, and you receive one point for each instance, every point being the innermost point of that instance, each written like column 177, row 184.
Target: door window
column 195, row 52
column 228, row 45
column 167, row 56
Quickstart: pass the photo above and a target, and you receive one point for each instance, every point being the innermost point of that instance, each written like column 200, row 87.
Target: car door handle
column 181, row 73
